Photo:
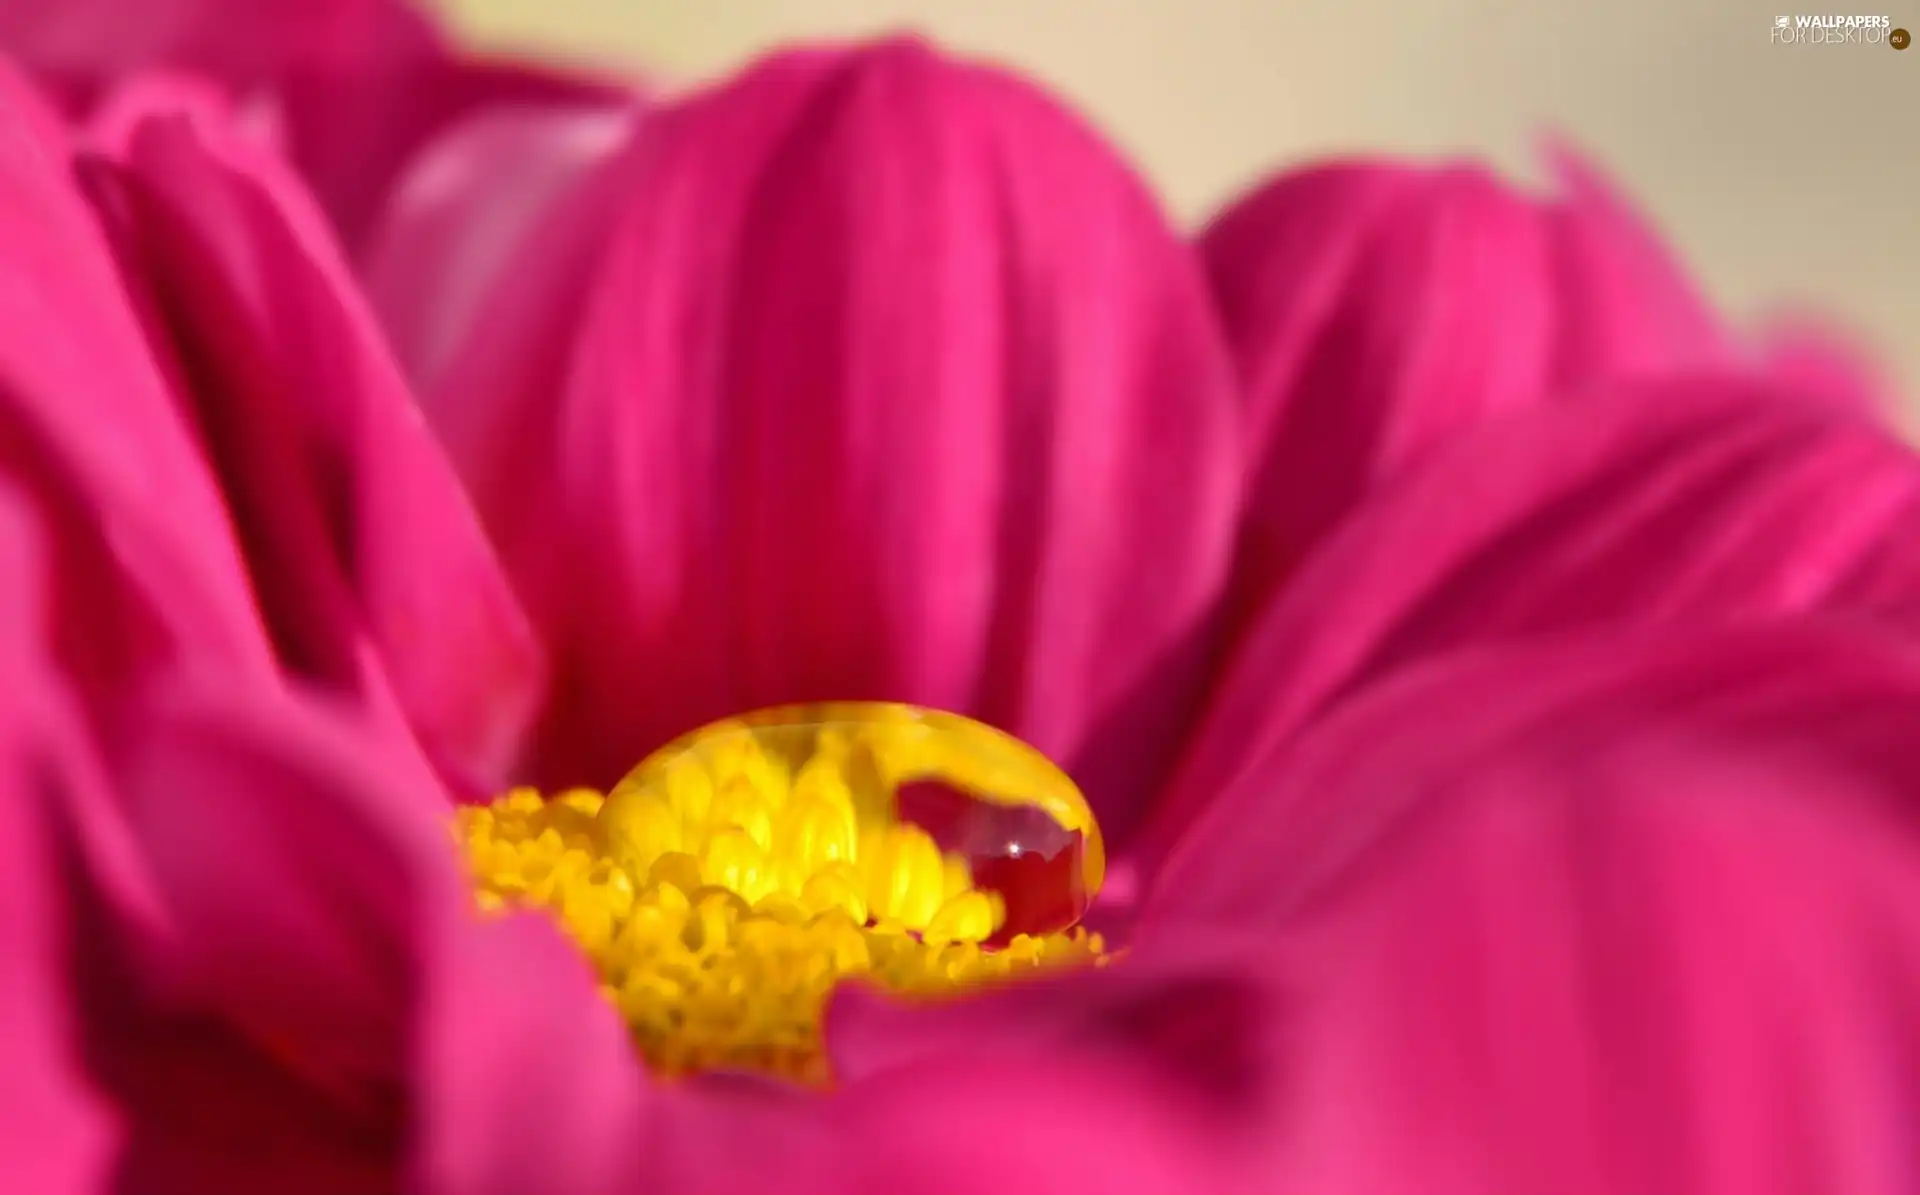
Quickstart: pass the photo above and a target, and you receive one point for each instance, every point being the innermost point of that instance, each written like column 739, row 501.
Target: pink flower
column 1547, row 829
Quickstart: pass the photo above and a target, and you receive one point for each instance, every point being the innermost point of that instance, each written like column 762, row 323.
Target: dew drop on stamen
column 924, row 805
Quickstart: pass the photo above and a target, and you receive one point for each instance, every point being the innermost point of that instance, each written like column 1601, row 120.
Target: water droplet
column 1019, row 823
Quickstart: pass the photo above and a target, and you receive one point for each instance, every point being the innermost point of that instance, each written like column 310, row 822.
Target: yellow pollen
column 728, row 883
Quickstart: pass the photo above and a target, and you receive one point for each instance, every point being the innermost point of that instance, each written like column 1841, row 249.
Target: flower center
column 727, row 884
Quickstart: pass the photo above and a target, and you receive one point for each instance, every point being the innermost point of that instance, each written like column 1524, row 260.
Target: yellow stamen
column 731, row 880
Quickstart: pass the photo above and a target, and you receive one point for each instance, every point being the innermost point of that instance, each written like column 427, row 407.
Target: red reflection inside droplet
column 1016, row 850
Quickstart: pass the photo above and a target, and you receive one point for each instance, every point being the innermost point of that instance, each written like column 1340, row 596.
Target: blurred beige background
column 1783, row 173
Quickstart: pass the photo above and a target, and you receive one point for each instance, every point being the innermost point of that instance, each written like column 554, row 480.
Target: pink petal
column 358, row 86
column 1192, row 1030
column 67, row 1019
column 371, row 564
column 262, row 1039
column 85, row 1062
column 896, row 385
column 1282, row 262
column 1146, row 1077
column 325, row 996
column 1669, row 504
column 1194, row 1021
column 491, row 401
column 965, row 1127
column 527, row 1077
column 55, row 1136
column 1613, row 916
column 104, row 37
column 141, row 555
column 111, row 126
column 1045, row 1128
column 289, row 811
column 1816, row 356
column 354, row 132
column 23, row 605
column 471, row 218
column 1377, row 309
column 1625, row 306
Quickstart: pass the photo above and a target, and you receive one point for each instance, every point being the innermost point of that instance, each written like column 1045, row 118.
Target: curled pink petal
column 110, row 127
column 143, row 568
column 896, row 385
column 1617, row 915
column 370, row 563
column 1672, row 504
column 356, row 88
